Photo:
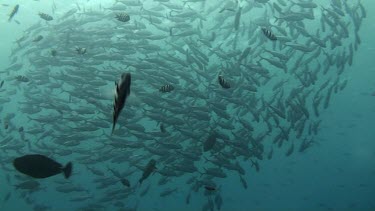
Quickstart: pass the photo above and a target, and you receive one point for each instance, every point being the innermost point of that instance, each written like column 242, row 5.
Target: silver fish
column 14, row 12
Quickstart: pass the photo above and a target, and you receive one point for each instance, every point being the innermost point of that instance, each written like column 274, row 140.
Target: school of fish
column 161, row 93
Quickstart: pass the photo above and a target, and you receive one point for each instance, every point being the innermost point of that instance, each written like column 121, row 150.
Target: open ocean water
column 272, row 104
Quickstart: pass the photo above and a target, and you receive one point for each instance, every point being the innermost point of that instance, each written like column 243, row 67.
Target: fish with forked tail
column 40, row 166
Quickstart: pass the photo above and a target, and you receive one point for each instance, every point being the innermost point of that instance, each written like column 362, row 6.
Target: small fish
column 40, row 166
column 53, row 52
column 14, row 12
column 22, row 78
column 30, row 185
column 255, row 164
column 7, row 197
column 168, row 192
column 45, row 16
column 38, row 38
column 290, row 150
column 243, row 181
column 125, row 182
column 2, row 83
column 210, row 188
column 151, row 166
column 187, row 199
column 223, row 82
column 218, row 201
column 162, row 128
column 20, row 129
column 268, row 33
column 209, row 143
column 80, row 50
column 166, row 88
column 229, row 9
column 237, row 19
column 270, row 154
column 123, row 17
column 6, row 124
column 122, row 92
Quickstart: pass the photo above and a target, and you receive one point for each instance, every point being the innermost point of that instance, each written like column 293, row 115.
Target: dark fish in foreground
column 269, row 34
column 45, row 16
column 122, row 92
column 14, row 12
column 151, row 166
column 40, row 166
column 166, row 88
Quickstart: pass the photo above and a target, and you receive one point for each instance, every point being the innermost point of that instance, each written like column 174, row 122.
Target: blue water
column 335, row 174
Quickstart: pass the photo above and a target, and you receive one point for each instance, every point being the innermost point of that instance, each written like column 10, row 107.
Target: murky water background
column 336, row 174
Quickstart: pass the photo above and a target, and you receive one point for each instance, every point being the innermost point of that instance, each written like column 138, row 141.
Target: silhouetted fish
column 151, row 166
column 122, row 92
column 40, row 166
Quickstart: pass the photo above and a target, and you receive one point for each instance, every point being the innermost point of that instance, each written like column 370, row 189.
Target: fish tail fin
column 276, row 19
column 67, row 170
column 114, row 122
column 113, row 128
column 261, row 58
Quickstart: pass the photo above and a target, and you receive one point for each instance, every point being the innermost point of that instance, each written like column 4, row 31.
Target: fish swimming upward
column 14, row 12
column 122, row 92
